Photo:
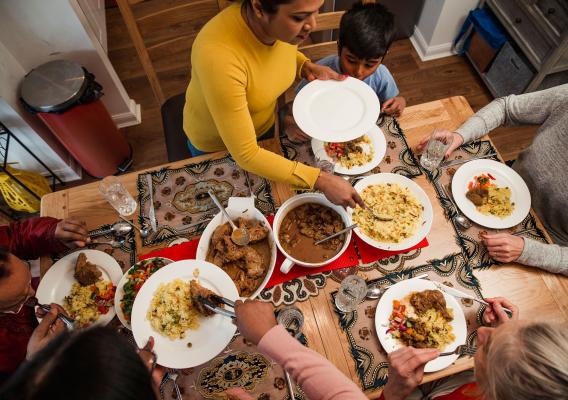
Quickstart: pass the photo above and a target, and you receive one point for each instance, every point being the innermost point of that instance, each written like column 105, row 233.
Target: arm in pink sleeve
column 317, row 377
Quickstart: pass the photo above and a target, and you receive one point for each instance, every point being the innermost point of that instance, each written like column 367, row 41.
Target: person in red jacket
column 27, row 240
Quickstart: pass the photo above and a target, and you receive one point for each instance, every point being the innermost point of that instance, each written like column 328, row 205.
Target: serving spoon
column 143, row 232
column 239, row 236
column 118, row 229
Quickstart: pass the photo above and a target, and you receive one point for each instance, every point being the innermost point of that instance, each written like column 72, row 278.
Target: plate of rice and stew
column 398, row 214
column 84, row 283
column 354, row 157
column 414, row 313
column 166, row 308
column 491, row 194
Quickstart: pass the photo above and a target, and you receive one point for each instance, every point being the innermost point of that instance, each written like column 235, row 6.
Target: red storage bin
column 66, row 98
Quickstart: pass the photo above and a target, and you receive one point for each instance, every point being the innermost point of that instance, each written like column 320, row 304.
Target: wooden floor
column 418, row 81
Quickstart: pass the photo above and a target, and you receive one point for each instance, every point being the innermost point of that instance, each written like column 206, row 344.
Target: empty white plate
column 336, row 111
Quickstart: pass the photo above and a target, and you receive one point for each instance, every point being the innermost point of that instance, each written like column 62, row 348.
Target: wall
column 438, row 26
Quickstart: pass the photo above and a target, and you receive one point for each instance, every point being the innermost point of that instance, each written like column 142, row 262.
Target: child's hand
column 394, row 106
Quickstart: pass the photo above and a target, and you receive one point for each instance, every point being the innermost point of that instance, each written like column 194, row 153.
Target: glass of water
column 117, row 195
column 435, row 150
column 351, row 292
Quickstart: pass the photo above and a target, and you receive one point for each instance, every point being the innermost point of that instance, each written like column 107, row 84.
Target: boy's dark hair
column 367, row 30
column 90, row 364
column 4, row 273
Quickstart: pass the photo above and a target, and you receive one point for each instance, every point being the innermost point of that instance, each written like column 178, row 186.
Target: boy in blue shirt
column 366, row 32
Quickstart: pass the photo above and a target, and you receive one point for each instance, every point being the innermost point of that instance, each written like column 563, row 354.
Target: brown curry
column 305, row 225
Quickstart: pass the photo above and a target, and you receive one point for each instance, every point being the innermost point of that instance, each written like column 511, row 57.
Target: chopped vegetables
column 137, row 275
column 482, row 181
column 351, row 154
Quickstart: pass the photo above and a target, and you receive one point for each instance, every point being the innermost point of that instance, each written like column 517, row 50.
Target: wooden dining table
column 538, row 294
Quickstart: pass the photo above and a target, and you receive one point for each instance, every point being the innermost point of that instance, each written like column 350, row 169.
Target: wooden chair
column 162, row 34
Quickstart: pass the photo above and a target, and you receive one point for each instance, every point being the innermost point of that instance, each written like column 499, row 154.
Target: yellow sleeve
column 223, row 82
column 301, row 59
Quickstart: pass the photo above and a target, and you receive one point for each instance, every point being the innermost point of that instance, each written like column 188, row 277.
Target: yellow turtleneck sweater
column 231, row 98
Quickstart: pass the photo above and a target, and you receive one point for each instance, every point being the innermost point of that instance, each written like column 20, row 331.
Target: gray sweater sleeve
column 526, row 109
column 550, row 257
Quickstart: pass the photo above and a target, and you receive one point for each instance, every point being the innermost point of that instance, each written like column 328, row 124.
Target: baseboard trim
column 427, row 53
column 133, row 117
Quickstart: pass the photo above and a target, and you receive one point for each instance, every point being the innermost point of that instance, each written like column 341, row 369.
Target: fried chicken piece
column 220, row 232
column 253, row 261
column 257, row 231
column 231, row 251
column 423, row 301
column 197, row 292
column 86, row 273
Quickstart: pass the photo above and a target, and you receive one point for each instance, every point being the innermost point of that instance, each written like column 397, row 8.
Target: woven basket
column 16, row 196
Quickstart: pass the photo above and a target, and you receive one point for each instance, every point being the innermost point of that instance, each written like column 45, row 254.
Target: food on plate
column 353, row 153
column 488, row 198
column 198, row 292
column 86, row 273
column 246, row 265
column 86, row 303
column 305, row 225
column 394, row 201
column 175, row 307
column 422, row 320
column 137, row 275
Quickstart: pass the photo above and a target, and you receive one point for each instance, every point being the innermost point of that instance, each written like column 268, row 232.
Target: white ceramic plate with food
column 239, row 207
column 504, row 177
column 119, row 294
column 336, row 111
column 397, row 292
column 57, row 282
column 424, row 222
column 378, row 145
column 214, row 333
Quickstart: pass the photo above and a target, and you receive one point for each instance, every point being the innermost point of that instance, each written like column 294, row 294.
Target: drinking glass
column 118, row 196
column 322, row 161
column 435, row 149
column 351, row 292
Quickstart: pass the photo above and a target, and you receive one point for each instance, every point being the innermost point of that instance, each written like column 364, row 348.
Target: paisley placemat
column 398, row 159
column 181, row 203
column 239, row 365
column 370, row 359
column 125, row 255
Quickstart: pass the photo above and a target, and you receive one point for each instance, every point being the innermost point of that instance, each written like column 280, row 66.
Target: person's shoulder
column 222, row 28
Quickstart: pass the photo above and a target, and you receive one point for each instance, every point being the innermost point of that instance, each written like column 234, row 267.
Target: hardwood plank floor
column 418, row 82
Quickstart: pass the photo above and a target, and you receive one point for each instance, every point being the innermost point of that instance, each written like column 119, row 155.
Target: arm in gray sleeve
column 550, row 257
column 526, row 109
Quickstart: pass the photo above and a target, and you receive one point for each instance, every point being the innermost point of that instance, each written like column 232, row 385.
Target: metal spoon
column 374, row 291
column 341, row 232
column 459, row 219
column 113, row 243
column 118, row 229
column 240, row 236
column 143, row 232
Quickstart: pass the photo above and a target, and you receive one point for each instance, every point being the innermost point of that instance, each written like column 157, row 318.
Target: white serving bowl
column 239, row 207
column 297, row 201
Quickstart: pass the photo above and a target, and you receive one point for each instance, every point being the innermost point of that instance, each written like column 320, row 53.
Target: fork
column 173, row 377
column 462, row 350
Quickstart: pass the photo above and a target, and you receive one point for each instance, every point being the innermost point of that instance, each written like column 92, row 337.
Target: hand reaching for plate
column 406, row 369
column 312, row 71
column 254, row 319
column 456, row 142
column 394, row 106
column 49, row 327
column 504, row 247
column 338, row 190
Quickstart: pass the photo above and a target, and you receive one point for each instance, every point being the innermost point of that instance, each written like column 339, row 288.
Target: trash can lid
column 53, row 86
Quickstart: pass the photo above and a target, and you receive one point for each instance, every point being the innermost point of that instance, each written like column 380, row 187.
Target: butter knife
column 152, row 212
column 458, row 162
column 459, row 294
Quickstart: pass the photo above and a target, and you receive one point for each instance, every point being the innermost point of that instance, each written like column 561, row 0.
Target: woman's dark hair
column 95, row 363
column 269, row 6
column 367, row 30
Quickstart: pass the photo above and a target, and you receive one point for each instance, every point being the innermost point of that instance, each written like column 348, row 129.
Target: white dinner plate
column 504, row 177
column 214, row 333
column 419, row 194
column 397, row 292
column 336, row 111
column 120, row 290
column 57, row 282
column 378, row 144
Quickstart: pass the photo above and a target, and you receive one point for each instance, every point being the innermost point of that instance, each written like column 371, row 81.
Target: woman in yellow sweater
column 242, row 61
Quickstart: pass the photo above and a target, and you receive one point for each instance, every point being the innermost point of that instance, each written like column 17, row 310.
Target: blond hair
column 529, row 364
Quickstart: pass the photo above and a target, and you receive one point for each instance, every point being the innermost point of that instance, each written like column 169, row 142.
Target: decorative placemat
column 239, row 365
column 181, row 203
column 370, row 359
column 125, row 255
column 398, row 159
column 469, row 240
